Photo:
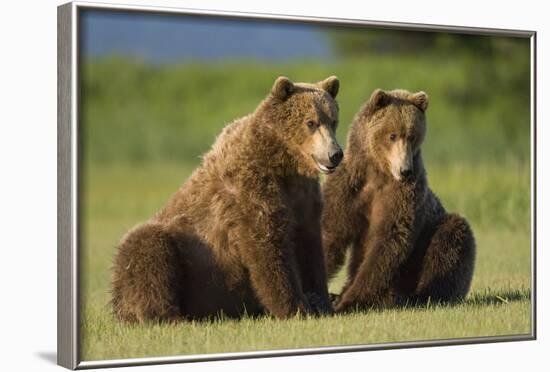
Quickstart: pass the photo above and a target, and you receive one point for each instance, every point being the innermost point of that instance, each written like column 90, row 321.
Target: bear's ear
column 282, row 88
column 420, row 100
column 378, row 99
column 331, row 85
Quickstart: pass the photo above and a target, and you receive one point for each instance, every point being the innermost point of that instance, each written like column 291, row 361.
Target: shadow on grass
column 485, row 298
column 496, row 298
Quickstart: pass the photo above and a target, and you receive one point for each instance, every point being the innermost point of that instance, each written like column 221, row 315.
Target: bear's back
column 210, row 177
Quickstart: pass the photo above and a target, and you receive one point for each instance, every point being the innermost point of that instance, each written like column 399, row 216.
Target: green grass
column 145, row 127
column 472, row 319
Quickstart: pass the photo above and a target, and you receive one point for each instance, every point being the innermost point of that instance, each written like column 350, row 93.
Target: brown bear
column 405, row 248
column 243, row 233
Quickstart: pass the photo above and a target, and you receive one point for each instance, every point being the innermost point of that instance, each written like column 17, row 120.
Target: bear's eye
column 393, row 137
column 311, row 124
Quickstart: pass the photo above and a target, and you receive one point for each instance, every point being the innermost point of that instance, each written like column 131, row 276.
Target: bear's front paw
column 304, row 307
column 363, row 301
column 318, row 304
column 334, row 299
column 343, row 306
column 347, row 304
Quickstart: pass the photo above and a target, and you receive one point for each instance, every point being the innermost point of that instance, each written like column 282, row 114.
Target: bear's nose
column 336, row 157
column 406, row 172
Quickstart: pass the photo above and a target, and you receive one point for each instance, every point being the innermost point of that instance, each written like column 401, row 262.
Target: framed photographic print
column 236, row 185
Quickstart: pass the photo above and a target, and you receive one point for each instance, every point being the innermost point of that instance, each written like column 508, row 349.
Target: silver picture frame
column 68, row 353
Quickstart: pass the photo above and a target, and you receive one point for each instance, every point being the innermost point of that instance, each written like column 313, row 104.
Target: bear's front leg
column 311, row 265
column 388, row 245
column 275, row 280
column 270, row 259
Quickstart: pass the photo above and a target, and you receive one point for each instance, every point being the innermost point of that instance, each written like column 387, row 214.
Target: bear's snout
column 406, row 172
column 336, row 156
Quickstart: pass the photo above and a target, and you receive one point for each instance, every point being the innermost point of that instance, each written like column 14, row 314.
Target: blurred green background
column 151, row 106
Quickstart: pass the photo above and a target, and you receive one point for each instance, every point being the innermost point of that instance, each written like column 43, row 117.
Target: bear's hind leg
column 448, row 264
column 146, row 276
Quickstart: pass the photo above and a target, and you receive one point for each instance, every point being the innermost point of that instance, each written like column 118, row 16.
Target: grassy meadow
column 144, row 128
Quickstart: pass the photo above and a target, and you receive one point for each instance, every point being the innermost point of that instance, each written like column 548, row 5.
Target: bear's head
column 305, row 117
column 393, row 129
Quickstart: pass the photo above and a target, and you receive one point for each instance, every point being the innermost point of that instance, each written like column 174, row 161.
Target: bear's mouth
column 323, row 168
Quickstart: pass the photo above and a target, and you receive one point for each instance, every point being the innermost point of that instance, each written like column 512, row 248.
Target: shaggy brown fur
column 404, row 245
column 242, row 235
